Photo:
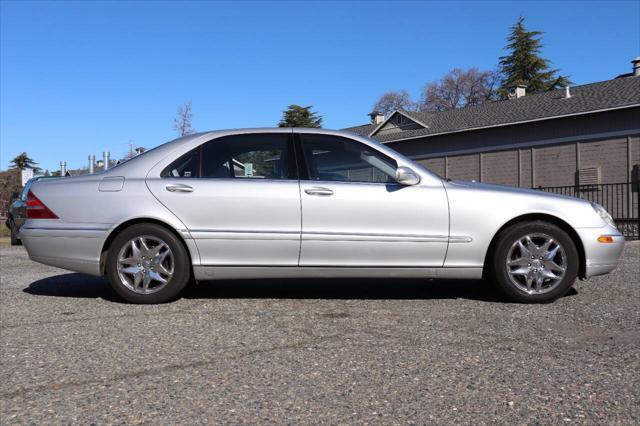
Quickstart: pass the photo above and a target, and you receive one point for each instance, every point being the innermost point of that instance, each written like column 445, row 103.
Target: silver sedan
column 279, row 203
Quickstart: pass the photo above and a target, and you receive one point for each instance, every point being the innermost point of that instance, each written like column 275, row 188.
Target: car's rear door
column 354, row 214
column 239, row 197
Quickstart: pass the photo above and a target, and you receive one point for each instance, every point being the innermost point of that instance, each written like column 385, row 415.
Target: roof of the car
column 272, row 130
column 155, row 154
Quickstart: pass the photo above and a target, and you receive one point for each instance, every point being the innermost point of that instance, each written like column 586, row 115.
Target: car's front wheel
column 534, row 262
column 148, row 264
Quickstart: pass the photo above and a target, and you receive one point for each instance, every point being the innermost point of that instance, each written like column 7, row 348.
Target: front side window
column 247, row 156
column 334, row 158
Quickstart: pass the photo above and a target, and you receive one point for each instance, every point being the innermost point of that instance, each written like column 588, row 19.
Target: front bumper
column 600, row 258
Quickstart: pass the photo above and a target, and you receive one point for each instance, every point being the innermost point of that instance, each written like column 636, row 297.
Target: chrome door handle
column 179, row 187
column 318, row 190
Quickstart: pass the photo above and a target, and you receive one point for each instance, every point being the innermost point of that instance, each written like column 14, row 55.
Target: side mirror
column 406, row 176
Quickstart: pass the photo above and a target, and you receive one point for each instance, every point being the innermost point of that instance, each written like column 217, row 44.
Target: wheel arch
column 128, row 223
column 545, row 218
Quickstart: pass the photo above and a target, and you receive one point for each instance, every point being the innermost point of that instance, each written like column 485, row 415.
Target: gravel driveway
column 309, row 352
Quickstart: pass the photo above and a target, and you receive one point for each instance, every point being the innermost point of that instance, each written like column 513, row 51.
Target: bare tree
column 393, row 101
column 459, row 88
column 182, row 123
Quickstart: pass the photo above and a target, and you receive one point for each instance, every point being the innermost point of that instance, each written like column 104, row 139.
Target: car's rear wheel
column 148, row 264
column 15, row 241
column 534, row 262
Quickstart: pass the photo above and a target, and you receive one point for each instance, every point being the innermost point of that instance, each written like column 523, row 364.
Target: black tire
column 180, row 262
column 15, row 241
column 499, row 271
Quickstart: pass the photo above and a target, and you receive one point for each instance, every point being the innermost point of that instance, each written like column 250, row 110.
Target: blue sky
column 77, row 78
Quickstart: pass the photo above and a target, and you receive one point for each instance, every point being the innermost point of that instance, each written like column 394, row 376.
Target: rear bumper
column 600, row 258
column 74, row 249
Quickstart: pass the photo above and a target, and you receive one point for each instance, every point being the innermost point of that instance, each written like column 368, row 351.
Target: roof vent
column 517, row 91
column 636, row 66
column 567, row 92
column 376, row 117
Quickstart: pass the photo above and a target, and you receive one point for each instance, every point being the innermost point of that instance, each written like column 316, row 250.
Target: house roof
column 585, row 99
column 363, row 130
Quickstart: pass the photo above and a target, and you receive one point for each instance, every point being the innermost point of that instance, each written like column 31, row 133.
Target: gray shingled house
column 580, row 141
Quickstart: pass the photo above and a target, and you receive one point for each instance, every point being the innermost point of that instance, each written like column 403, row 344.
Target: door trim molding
column 231, row 234
column 267, row 272
column 374, row 237
column 211, row 234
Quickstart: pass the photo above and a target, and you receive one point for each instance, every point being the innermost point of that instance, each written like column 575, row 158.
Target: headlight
column 604, row 214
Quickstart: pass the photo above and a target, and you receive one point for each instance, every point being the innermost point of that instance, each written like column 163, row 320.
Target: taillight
column 36, row 208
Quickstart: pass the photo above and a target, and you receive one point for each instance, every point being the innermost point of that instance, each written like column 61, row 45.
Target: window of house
column 333, row 158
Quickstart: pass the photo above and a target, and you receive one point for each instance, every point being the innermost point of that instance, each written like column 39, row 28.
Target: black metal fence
column 620, row 200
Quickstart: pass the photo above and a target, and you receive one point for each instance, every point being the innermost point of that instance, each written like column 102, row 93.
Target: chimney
column 636, row 66
column 517, row 91
column 376, row 117
column 567, row 92
column 63, row 168
column 105, row 156
column 92, row 160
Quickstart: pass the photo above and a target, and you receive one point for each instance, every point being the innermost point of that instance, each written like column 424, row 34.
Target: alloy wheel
column 145, row 264
column 536, row 263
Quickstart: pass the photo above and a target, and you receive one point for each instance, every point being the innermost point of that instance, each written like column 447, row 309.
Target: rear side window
column 186, row 166
column 246, row 156
column 249, row 156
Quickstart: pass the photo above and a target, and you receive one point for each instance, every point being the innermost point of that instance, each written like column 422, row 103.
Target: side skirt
column 245, row 272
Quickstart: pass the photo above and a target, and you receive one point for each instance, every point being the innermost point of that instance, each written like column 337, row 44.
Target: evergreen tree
column 298, row 116
column 23, row 161
column 524, row 65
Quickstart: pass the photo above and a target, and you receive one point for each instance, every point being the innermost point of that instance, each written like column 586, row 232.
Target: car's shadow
column 85, row 286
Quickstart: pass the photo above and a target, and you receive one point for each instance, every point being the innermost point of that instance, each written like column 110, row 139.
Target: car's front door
column 239, row 197
column 354, row 213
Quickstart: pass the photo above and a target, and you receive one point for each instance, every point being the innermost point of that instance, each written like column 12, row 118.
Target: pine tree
column 524, row 65
column 298, row 116
column 23, row 161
